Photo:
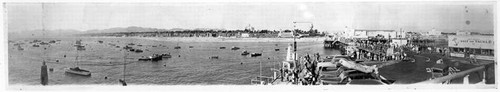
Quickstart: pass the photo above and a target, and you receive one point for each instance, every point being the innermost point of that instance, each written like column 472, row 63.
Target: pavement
column 413, row 72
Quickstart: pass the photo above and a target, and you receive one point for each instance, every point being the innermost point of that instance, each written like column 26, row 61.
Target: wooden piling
column 44, row 75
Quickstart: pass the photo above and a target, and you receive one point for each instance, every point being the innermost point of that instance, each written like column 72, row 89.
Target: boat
column 222, row 47
column 139, row 45
column 154, row 57
column 131, row 49
column 235, row 48
column 131, row 44
column 177, row 47
column 100, row 41
column 245, row 53
column 78, row 71
column 19, row 47
column 191, row 46
column 35, row 45
column 276, row 49
column 214, row 57
column 255, row 54
column 52, row 41
column 80, row 47
column 166, row 55
column 127, row 47
column 138, row 51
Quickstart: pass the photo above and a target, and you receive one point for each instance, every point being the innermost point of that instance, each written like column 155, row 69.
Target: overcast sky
column 411, row 16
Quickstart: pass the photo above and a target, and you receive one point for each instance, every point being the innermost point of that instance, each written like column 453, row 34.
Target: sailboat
column 77, row 70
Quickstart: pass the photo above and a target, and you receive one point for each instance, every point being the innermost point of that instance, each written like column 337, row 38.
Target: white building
column 463, row 33
column 433, row 32
column 472, row 46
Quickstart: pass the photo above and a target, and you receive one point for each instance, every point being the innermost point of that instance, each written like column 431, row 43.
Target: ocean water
column 188, row 66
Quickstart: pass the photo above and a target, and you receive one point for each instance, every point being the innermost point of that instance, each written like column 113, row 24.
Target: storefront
column 472, row 46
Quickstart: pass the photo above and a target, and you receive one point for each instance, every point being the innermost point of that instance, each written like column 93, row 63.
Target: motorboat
column 154, row 57
column 245, row 53
column 235, row 48
column 138, row 51
column 214, row 57
column 78, row 71
column 255, row 54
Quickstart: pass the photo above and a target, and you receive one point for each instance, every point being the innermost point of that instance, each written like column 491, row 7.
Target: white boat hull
column 67, row 70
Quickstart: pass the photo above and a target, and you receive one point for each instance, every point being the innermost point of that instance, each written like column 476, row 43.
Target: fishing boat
column 78, row 71
column 245, row 53
column 235, row 48
column 255, row 54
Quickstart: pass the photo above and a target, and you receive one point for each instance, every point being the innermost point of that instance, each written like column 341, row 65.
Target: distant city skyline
column 327, row 17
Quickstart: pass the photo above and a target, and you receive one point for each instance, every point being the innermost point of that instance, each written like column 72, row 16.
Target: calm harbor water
column 187, row 65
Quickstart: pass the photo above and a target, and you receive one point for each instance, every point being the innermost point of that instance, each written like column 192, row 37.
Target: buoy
column 241, row 63
column 64, row 55
column 105, row 77
column 57, row 60
column 51, row 69
column 165, row 65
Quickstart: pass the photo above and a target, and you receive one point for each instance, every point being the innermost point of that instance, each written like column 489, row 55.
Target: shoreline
column 224, row 39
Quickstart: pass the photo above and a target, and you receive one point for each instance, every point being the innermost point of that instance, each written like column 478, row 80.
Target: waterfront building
column 472, row 46
column 433, row 32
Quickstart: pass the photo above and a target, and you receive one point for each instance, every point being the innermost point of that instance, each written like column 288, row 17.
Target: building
column 463, row 33
column 472, row 46
column 286, row 34
column 362, row 33
column 433, row 32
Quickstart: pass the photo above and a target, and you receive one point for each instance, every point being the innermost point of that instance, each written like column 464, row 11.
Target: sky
column 325, row 16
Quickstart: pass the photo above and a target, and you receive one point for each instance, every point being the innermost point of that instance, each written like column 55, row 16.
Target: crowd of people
column 369, row 50
column 305, row 71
